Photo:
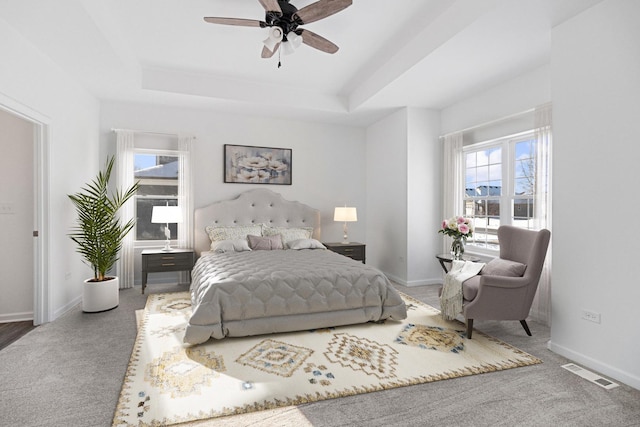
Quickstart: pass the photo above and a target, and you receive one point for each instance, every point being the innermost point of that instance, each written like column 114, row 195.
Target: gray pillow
column 503, row 267
column 265, row 243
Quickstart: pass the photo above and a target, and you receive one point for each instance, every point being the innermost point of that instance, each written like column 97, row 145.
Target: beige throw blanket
column 451, row 297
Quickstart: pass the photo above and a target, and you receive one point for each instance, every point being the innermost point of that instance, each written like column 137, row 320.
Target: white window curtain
column 541, row 307
column 453, row 175
column 125, row 161
column 185, row 192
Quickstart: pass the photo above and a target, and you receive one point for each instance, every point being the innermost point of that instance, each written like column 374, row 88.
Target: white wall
column 35, row 84
column 328, row 162
column 424, row 188
column 16, row 257
column 596, row 93
column 403, row 195
column 386, row 157
column 511, row 97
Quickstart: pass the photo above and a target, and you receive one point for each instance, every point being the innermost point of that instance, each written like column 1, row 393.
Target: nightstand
column 160, row 261
column 352, row 250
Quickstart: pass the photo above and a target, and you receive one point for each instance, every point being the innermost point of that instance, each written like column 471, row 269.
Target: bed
column 296, row 284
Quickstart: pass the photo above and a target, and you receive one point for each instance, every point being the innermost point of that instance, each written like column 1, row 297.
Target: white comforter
column 257, row 292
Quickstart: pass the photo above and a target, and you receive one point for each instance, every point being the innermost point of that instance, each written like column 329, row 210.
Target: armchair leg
column 525, row 326
column 469, row 328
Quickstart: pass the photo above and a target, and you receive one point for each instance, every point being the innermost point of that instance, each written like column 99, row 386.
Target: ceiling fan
column 284, row 20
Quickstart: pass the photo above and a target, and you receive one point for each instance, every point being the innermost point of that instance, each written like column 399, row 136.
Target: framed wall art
column 245, row 164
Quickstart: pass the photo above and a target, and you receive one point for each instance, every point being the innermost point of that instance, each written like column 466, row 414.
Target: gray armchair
column 503, row 291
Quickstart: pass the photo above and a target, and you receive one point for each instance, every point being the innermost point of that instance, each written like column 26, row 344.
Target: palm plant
column 99, row 232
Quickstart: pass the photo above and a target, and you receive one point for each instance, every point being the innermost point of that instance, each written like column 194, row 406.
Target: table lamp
column 166, row 215
column 345, row 214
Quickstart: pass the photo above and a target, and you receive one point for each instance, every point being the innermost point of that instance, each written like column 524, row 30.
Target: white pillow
column 288, row 233
column 238, row 245
column 305, row 244
column 217, row 233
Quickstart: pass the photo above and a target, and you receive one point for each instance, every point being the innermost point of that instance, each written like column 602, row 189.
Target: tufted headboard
column 258, row 206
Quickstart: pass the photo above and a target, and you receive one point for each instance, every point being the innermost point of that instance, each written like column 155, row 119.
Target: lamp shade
column 166, row 214
column 345, row 214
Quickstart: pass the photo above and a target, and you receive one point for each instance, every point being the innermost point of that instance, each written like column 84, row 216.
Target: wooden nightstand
column 353, row 250
column 157, row 260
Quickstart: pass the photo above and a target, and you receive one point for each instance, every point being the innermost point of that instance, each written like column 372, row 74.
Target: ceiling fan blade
column 266, row 53
column 318, row 42
column 236, row 21
column 271, row 6
column 320, row 9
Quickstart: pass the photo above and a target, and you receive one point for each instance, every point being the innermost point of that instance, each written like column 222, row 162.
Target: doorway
column 24, row 205
column 16, row 225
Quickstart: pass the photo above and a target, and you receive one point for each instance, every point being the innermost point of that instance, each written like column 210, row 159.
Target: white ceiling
column 393, row 53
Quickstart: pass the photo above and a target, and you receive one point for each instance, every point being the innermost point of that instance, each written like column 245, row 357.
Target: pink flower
column 445, row 223
column 463, row 228
column 461, row 220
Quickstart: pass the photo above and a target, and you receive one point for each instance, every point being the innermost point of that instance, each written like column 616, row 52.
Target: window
column 158, row 175
column 499, row 186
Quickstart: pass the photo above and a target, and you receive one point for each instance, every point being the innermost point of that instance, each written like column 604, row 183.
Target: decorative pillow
column 265, row 243
column 305, row 244
column 503, row 267
column 217, row 233
column 288, row 233
column 238, row 245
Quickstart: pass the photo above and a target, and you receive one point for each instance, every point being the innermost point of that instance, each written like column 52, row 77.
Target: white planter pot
column 100, row 296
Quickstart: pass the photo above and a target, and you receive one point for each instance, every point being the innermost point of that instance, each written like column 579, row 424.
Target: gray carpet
column 69, row 373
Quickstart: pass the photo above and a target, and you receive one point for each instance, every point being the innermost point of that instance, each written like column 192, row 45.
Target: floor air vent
column 590, row 376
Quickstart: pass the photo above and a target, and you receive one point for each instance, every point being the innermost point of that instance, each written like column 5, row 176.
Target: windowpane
column 495, row 172
column 523, row 213
column 524, row 168
column 148, row 166
column 482, row 158
column 496, row 195
column 470, row 180
column 495, row 155
column 525, row 149
column 523, row 187
column 145, row 229
column 157, row 190
column 495, row 188
column 471, row 159
column 483, row 173
column 158, row 178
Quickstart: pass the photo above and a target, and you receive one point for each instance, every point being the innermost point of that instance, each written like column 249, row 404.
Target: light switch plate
column 7, row 208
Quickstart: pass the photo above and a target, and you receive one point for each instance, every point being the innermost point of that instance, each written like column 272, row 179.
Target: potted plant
column 99, row 233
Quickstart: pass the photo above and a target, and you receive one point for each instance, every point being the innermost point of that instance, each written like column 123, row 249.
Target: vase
column 100, row 296
column 457, row 248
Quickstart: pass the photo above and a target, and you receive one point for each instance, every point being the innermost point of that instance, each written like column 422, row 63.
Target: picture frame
column 248, row 164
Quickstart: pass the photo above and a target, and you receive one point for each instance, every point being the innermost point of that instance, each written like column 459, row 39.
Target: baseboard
column 16, row 317
column 62, row 310
column 412, row 283
column 596, row 365
column 424, row 282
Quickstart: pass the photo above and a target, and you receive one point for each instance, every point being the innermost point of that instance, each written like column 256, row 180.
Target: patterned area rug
column 168, row 383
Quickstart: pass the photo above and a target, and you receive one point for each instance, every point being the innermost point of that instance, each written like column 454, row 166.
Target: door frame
column 42, row 310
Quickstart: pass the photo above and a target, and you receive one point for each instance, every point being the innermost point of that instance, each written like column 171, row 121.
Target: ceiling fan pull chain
column 279, row 63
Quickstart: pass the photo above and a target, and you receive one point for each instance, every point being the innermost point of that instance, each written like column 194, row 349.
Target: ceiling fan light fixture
column 283, row 17
column 294, row 39
column 287, row 48
column 275, row 37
